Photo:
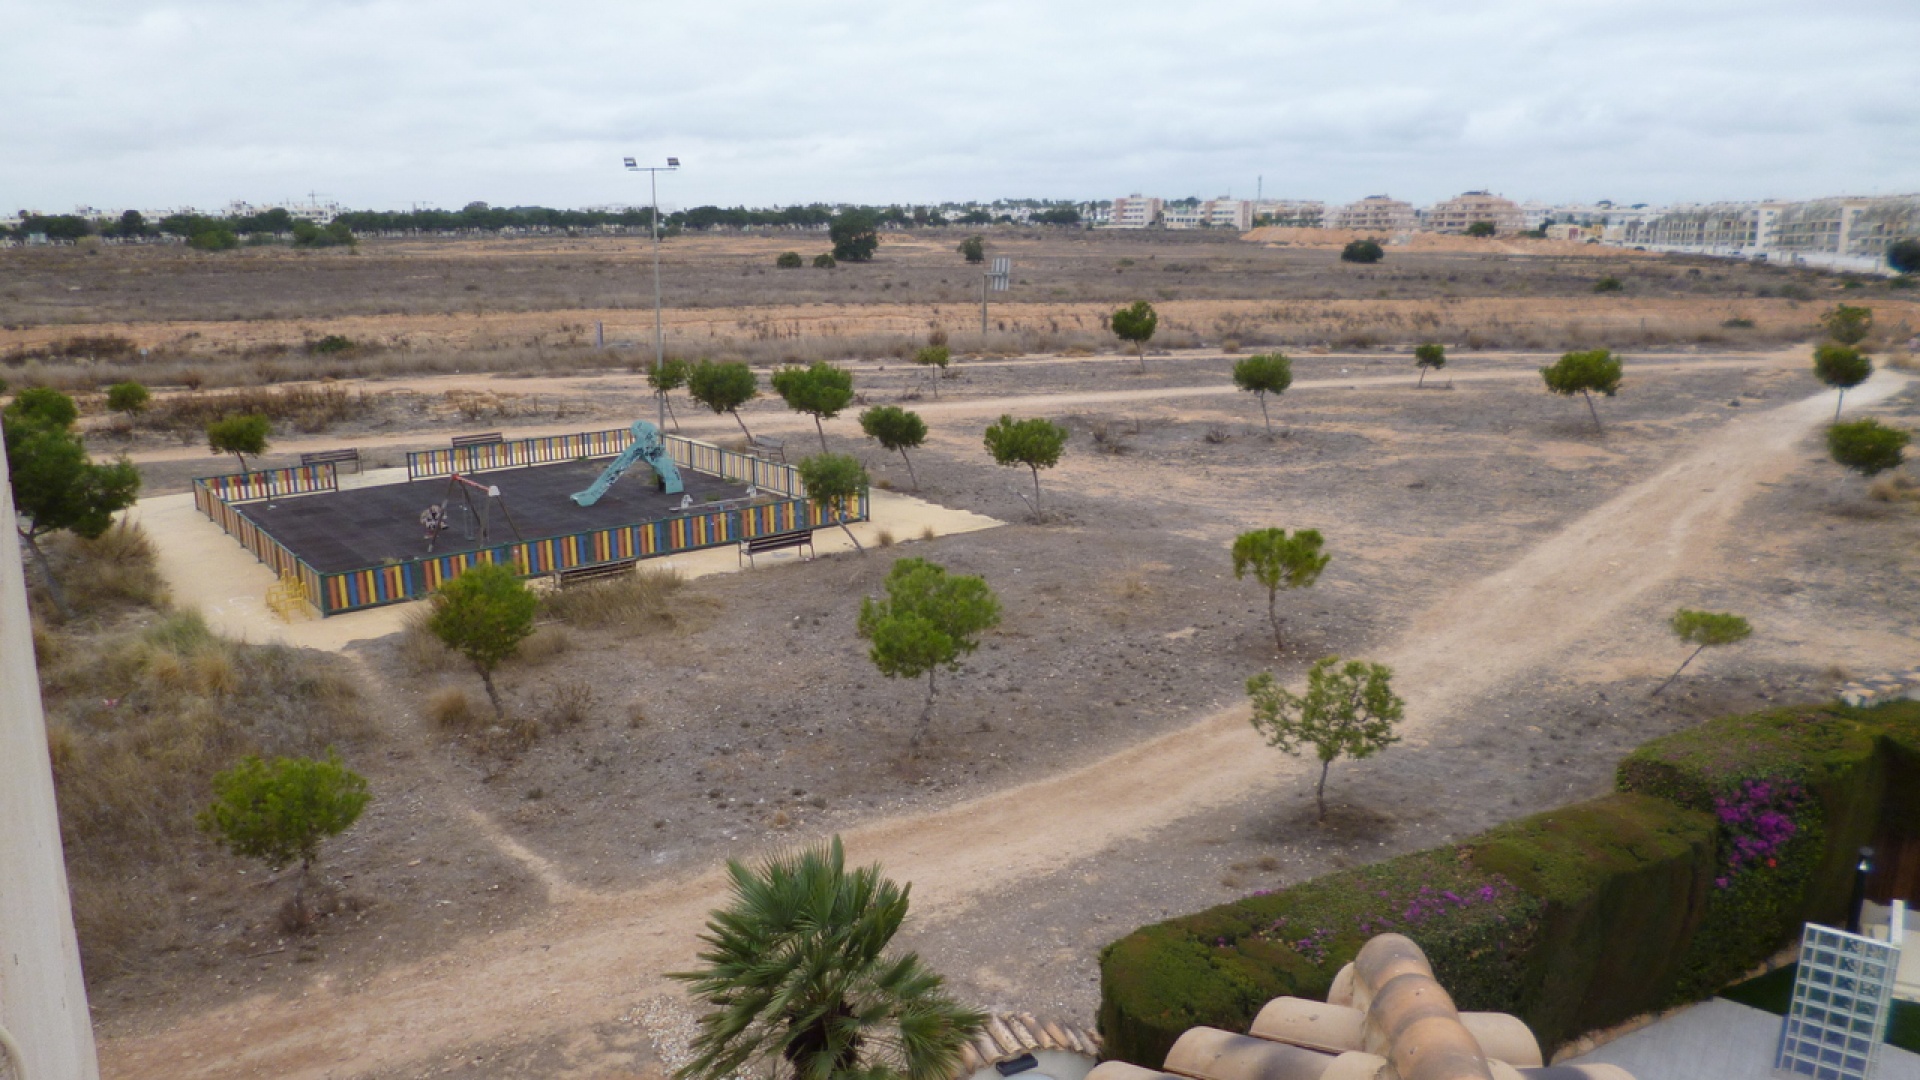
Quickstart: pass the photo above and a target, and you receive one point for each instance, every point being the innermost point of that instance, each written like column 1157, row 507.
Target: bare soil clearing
column 1512, row 566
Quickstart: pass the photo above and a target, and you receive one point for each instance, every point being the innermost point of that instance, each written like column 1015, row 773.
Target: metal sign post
column 996, row 279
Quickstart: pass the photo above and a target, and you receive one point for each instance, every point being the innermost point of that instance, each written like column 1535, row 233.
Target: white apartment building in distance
column 1234, row 214
column 1135, row 212
column 1460, row 213
column 1377, row 213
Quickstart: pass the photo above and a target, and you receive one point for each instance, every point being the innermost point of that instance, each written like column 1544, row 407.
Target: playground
column 379, row 525
column 549, row 505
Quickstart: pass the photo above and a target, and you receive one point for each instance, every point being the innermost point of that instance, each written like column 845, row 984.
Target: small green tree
column 789, row 260
column 974, row 249
column 279, row 812
column 1136, row 323
column 1702, row 629
column 213, row 240
column 935, row 358
column 824, row 261
column 239, row 436
column 897, row 429
column 1362, row 251
column 1279, row 561
column 665, row 377
column 1586, row 373
column 45, row 405
column 484, row 615
column 1609, row 284
column 798, row 983
column 1427, row 356
column 1263, row 374
column 1842, row 367
column 1035, row 443
column 1481, row 229
column 723, row 388
column 57, row 487
column 929, row 620
column 855, row 235
column 128, row 397
column 820, row 391
column 833, row 481
column 1868, row 447
column 1848, row 325
column 1349, row 711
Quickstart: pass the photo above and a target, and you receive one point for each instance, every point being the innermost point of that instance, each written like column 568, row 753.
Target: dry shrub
column 139, row 721
column 452, row 709
column 884, row 538
column 636, row 714
column 928, row 532
column 567, row 705
column 418, row 649
column 308, row 409
column 109, row 573
column 542, row 646
column 1899, row 487
column 633, row 604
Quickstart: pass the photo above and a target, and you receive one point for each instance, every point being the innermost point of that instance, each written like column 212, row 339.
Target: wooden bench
column 760, row 545
column 587, row 575
column 335, row 457
column 767, row 447
column 485, row 438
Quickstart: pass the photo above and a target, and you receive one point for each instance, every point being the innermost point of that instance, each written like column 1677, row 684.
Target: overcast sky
column 145, row 103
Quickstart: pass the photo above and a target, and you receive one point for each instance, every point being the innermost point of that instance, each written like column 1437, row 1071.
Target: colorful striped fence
column 770, row 476
column 400, row 581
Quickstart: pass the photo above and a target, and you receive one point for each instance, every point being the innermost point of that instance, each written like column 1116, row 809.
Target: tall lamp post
column 659, row 341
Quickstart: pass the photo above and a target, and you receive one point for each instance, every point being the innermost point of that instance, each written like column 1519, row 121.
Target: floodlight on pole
column 659, row 340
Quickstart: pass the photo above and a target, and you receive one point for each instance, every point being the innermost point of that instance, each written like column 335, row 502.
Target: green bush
column 1724, row 838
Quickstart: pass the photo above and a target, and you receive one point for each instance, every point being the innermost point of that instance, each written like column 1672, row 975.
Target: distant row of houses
column 1842, row 233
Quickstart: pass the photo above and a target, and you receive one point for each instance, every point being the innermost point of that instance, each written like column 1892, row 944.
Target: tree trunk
column 1320, row 790
column 1676, row 672
column 909, row 461
column 742, row 423
column 842, row 515
column 493, row 695
column 1273, row 619
column 926, row 710
column 935, row 372
column 1036, row 489
column 822, row 431
column 667, row 400
column 1423, row 377
column 1140, row 353
column 46, row 570
column 1265, row 417
column 242, row 459
column 1837, row 404
column 1591, row 409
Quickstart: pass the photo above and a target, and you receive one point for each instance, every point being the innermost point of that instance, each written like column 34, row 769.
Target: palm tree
column 796, row 970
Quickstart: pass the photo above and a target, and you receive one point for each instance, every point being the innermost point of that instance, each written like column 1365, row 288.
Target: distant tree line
column 277, row 224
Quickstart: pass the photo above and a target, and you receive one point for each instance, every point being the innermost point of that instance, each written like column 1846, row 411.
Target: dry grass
column 636, row 604
column 308, row 409
column 452, row 709
column 1896, row 488
column 542, row 646
column 104, row 576
column 138, row 722
column 568, row 705
column 419, row 650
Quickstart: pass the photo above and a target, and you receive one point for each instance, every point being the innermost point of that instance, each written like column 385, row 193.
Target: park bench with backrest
column 587, row 575
column 331, row 457
column 485, row 438
column 767, row 447
column 760, row 545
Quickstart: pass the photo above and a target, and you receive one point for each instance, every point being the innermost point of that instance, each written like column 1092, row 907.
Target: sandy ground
column 564, row 979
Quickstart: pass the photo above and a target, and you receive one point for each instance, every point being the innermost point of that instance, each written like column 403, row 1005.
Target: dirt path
column 594, row 955
column 700, row 423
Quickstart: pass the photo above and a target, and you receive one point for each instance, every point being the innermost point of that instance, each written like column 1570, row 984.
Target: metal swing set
column 435, row 521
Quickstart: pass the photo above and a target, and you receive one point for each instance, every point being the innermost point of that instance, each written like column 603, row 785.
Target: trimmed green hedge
column 1722, row 841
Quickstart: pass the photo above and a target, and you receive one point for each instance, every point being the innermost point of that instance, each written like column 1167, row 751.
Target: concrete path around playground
column 1718, row 1040
column 208, row 571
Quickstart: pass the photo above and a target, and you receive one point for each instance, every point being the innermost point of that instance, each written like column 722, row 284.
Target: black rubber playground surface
column 364, row 527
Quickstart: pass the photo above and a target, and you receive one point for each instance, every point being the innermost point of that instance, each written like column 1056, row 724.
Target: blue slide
column 646, row 447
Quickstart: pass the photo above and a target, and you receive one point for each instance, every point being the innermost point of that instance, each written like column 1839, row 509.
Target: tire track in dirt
column 593, row 955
